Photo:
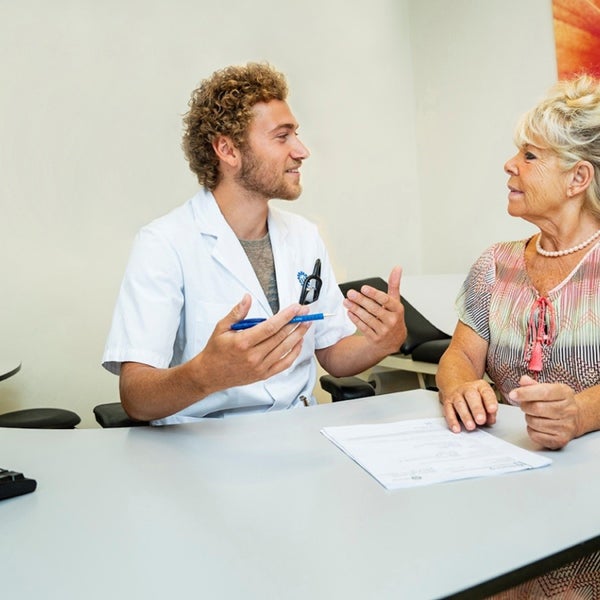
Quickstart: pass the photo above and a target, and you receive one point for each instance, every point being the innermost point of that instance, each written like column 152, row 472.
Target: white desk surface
column 264, row 507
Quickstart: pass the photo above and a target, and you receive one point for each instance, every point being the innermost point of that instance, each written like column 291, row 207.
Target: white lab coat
column 187, row 270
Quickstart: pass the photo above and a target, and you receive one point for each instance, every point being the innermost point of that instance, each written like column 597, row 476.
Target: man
column 227, row 255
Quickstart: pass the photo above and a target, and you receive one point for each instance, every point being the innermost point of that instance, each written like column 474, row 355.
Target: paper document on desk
column 424, row 451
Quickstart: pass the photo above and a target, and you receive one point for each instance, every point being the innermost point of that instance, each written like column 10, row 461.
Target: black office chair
column 424, row 343
column 113, row 414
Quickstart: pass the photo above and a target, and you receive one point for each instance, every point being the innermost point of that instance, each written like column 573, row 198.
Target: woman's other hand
column 552, row 412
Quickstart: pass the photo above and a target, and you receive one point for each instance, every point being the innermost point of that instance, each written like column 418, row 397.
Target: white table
column 264, row 507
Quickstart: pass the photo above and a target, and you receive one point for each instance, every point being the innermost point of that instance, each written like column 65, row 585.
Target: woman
column 529, row 311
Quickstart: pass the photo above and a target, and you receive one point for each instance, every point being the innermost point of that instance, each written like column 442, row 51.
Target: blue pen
column 247, row 323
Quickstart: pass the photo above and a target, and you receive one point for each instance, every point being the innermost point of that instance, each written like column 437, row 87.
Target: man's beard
column 257, row 178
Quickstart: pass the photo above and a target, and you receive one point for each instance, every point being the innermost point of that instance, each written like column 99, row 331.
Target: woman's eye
column 530, row 156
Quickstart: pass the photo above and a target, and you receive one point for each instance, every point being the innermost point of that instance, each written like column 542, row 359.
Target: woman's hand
column 552, row 412
column 472, row 403
column 466, row 397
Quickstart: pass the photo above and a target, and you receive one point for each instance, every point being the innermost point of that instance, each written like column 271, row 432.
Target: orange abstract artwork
column 577, row 37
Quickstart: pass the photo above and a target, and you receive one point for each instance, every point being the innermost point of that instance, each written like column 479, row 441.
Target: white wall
column 478, row 65
column 407, row 107
column 91, row 98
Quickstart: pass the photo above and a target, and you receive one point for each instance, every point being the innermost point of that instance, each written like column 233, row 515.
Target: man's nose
column 300, row 151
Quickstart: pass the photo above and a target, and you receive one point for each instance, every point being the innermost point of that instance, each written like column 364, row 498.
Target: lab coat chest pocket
column 207, row 315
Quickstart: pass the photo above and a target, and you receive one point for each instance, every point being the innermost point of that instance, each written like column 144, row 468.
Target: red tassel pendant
column 539, row 333
column 535, row 362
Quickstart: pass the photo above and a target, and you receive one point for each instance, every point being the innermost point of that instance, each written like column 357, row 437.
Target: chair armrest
column 346, row 388
column 431, row 351
column 113, row 415
column 40, row 418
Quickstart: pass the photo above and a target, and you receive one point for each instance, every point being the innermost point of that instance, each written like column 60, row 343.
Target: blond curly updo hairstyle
column 222, row 105
column 567, row 121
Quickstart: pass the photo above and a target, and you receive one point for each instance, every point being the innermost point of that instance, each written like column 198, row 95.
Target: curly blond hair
column 222, row 105
column 567, row 121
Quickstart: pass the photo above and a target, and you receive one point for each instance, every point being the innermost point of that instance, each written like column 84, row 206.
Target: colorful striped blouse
column 555, row 339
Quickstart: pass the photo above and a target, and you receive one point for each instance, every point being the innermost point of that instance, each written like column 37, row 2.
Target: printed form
column 424, row 451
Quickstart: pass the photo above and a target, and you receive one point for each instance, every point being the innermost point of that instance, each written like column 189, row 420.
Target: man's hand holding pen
column 379, row 316
column 231, row 358
column 242, row 350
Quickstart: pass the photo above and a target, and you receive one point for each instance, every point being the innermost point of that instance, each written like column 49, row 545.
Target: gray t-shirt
column 260, row 255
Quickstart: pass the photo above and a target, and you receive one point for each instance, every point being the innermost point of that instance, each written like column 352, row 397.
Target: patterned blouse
column 554, row 339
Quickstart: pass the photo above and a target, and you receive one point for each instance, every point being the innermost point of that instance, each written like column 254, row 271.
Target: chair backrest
column 419, row 328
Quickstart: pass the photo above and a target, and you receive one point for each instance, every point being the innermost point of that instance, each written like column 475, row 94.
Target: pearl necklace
column 577, row 248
